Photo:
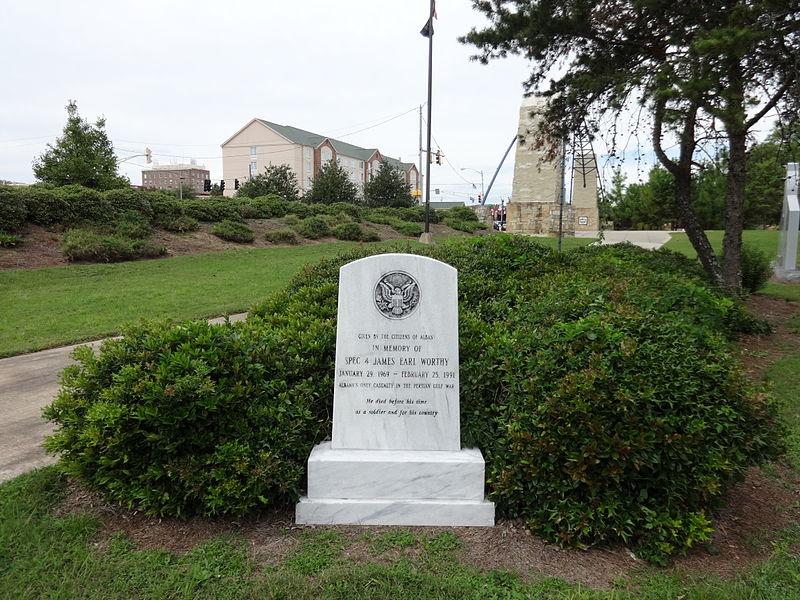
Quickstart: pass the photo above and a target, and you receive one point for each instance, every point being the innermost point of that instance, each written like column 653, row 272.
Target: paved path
column 645, row 239
column 28, row 383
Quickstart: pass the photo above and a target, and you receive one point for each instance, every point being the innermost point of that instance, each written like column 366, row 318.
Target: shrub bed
column 347, row 231
column 312, row 228
column 85, row 244
column 9, row 240
column 233, row 231
column 596, row 382
column 13, row 211
column 181, row 224
column 282, row 236
column 212, row 210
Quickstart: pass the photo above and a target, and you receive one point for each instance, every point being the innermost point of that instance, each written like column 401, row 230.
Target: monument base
column 426, row 238
column 395, row 487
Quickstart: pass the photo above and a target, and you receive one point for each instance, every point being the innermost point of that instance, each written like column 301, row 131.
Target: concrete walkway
column 644, row 239
column 28, row 383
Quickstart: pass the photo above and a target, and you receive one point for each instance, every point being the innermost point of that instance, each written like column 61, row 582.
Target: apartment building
column 172, row 177
column 262, row 143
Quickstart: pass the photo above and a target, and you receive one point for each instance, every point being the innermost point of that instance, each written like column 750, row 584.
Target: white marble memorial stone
column 397, row 355
column 396, row 457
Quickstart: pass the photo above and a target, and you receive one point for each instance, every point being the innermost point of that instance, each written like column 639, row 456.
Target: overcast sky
column 180, row 77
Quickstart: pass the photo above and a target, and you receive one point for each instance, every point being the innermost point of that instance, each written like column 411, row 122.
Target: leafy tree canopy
column 388, row 188
column 82, row 155
column 276, row 179
column 331, row 184
column 701, row 69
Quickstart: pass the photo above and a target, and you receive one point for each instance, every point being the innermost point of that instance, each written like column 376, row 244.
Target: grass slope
column 43, row 308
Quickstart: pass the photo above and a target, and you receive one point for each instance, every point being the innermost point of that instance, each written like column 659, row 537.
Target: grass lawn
column 765, row 240
column 42, row 556
column 43, row 308
column 63, row 557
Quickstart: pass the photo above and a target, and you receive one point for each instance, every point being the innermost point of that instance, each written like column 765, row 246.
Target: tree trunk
column 682, row 171
column 734, row 214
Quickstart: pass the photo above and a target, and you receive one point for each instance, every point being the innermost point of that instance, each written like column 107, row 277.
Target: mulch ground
column 41, row 246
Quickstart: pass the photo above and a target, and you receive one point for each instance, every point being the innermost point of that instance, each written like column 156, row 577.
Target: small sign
column 583, row 220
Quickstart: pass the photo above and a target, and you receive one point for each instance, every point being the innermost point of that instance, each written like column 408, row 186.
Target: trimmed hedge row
column 597, row 383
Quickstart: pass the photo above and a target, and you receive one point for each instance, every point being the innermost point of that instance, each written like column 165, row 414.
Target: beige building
column 261, row 143
column 536, row 193
column 171, row 177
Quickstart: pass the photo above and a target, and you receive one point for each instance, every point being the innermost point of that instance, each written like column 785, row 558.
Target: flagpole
column 427, row 237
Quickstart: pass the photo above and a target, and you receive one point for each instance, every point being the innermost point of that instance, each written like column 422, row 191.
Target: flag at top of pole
column 427, row 31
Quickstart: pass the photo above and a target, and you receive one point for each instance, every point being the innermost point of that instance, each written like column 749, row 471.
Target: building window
column 253, row 168
column 253, row 151
column 326, row 155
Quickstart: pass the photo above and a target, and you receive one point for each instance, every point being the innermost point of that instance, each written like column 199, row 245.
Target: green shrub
column 394, row 218
column 312, row 228
column 406, row 228
column 233, row 231
column 133, row 224
column 270, row 207
column 467, row 226
column 347, row 231
column 282, row 236
column 124, row 200
column 87, row 245
column 370, row 235
column 46, row 205
column 596, row 382
column 354, row 211
column 459, row 213
column 212, row 210
column 166, row 207
column 291, row 220
column 12, row 209
column 756, row 268
column 220, row 421
column 301, row 209
column 416, row 214
column 8, row 240
column 181, row 224
column 85, row 205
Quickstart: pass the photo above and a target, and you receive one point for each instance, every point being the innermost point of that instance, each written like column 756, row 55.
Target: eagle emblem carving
column 396, row 295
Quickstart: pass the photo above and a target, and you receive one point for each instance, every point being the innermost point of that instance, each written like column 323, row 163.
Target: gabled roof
column 307, row 138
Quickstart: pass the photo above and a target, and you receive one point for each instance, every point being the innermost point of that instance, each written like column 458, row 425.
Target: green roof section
column 306, row 138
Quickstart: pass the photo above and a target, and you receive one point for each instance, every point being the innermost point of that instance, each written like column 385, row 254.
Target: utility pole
column 421, row 150
column 427, row 31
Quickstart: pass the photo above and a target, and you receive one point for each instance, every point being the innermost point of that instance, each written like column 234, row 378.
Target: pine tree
column 82, row 155
column 276, row 179
column 388, row 188
column 331, row 185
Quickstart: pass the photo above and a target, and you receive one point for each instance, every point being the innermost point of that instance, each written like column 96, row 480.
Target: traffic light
column 438, row 157
column 236, row 184
column 206, row 185
column 221, row 185
column 148, row 154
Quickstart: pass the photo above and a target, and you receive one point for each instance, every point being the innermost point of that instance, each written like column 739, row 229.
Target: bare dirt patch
column 41, row 247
